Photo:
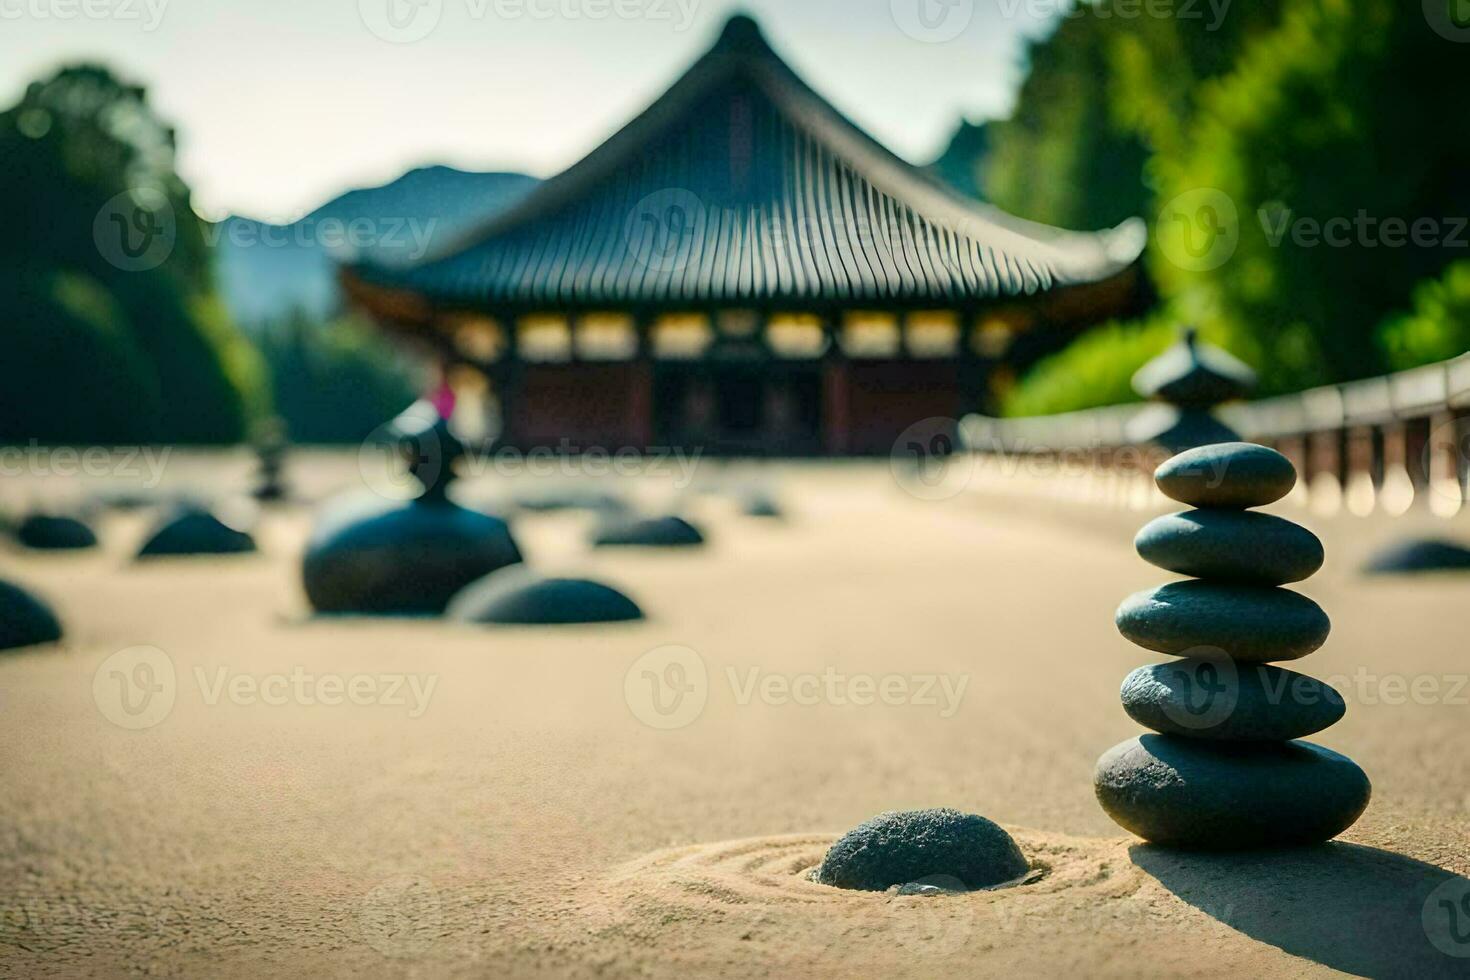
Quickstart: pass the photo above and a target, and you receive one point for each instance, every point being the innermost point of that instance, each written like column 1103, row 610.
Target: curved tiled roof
column 741, row 185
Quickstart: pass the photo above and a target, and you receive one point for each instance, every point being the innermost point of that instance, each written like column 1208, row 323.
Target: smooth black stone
column 760, row 505
column 1232, row 475
column 649, row 532
column 1185, row 792
column 1231, row 546
column 1247, row 623
column 518, row 596
column 54, row 532
column 1418, row 556
column 193, row 531
column 1224, row 701
column 25, row 620
column 897, row 848
column 374, row 558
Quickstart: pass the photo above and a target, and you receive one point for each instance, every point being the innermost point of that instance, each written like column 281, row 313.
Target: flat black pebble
column 1185, row 792
column 1225, row 701
column 1231, row 546
column 1226, row 474
column 1249, row 623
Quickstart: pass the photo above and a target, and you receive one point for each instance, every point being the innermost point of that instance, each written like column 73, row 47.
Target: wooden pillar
column 1445, row 464
column 836, row 393
column 1395, row 486
column 1360, row 491
column 640, row 402
column 508, row 383
column 1325, row 449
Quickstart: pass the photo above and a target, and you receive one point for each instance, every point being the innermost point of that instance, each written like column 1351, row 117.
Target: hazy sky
column 281, row 104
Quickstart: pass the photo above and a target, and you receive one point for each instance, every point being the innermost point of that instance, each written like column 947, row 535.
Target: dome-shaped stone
column 1419, row 555
column 195, row 531
column 374, row 557
column 898, row 848
column 54, row 532
column 25, row 620
column 519, row 596
column 647, row 532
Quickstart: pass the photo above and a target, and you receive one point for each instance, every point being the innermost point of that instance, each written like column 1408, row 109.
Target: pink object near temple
column 443, row 400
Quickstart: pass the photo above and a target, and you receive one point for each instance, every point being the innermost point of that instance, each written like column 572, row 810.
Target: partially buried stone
column 651, row 532
column 1231, row 546
column 1248, row 623
column 1224, row 701
column 367, row 556
column 1232, row 475
column 24, row 619
column 902, row 847
column 1185, row 792
column 55, row 532
column 195, row 531
column 1419, row 555
column 515, row 595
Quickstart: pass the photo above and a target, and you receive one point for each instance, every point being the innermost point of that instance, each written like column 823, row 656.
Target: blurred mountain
column 960, row 164
column 268, row 271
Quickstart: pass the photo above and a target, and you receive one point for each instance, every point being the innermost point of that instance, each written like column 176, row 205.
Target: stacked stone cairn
column 1224, row 766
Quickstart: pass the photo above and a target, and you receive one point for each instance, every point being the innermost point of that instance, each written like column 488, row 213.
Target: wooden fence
column 1385, row 445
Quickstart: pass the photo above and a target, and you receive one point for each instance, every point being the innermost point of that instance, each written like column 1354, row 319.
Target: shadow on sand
column 1357, row 909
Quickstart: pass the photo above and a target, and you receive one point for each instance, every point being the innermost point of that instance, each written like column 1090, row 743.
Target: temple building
column 743, row 269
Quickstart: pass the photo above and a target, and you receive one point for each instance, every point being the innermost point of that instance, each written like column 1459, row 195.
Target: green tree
column 116, row 277
column 1332, row 130
column 1438, row 326
column 1064, row 157
column 335, row 382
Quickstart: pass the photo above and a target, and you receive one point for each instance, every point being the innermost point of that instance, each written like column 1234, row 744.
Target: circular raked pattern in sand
column 713, row 900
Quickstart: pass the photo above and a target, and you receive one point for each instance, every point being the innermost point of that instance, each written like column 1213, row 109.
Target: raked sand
column 504, row 801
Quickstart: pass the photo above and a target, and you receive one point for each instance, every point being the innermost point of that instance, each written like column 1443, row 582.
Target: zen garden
column 681, row 489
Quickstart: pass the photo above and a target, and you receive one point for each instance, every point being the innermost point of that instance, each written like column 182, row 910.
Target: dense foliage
column 1316, row 141
column 335, row 382
column 1438, row 326
column 1063, row 157
column 107, row 313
